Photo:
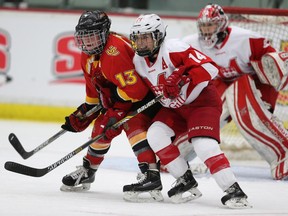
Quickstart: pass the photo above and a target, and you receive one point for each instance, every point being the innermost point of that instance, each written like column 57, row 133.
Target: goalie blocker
column 259, row 127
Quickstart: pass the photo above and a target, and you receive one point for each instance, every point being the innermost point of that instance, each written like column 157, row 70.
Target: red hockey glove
column 76, row 122
column 172, row 85
column 111, row 116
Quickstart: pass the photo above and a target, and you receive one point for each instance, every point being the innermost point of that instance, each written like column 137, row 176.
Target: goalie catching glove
column 77, row 121
column 272, row 69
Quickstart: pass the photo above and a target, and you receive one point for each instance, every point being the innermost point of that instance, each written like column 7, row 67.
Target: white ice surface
column 29, row 196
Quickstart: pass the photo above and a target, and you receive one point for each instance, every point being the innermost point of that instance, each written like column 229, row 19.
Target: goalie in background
column 111, row 80
column 190, row 103
column 251, row 75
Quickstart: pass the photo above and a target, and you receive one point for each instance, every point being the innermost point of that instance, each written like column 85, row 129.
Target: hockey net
column 273, row 24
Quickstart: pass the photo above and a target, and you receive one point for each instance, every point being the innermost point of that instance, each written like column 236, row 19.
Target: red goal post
column 273, row 24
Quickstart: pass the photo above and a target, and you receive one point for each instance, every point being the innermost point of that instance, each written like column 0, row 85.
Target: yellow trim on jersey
column 99, row 146
column 90, row 60
column 137, row 138
column 34, row 112
column 121, row 38
column 90, row 100
column 124, row 96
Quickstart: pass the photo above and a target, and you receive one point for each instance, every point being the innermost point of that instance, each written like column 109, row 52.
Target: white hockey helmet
column 212, row 15
column 148, row 24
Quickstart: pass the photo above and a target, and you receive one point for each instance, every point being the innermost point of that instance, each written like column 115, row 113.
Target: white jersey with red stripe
column 174, row 53
column 235, row 52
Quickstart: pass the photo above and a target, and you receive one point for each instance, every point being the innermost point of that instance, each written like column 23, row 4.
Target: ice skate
column 148, row 188
column 79, row 180
column 185, row 183
column 235, row 198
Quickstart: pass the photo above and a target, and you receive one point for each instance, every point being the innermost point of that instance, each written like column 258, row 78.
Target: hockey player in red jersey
column 251, row 75
column 190, row 103
column 111, row 80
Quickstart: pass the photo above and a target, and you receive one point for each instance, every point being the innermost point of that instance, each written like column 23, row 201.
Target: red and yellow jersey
column 112, row 74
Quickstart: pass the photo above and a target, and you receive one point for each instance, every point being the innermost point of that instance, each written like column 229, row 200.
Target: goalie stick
column 35, row 172
column 24, row 154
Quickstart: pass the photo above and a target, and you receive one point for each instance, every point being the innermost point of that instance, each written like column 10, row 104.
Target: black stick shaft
column 24, row 154
column 35, row 172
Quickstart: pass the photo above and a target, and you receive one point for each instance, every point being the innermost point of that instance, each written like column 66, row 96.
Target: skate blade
column 147, row 196
column 194, row 193
column 238, row 203
column 78, row 188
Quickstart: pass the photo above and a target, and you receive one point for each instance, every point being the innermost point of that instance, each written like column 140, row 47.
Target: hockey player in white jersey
column 250, row 77
column 191, row 104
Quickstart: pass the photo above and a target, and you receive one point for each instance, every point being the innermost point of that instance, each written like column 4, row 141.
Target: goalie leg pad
column 280, row 170
column 187, row 151
column 260, row 128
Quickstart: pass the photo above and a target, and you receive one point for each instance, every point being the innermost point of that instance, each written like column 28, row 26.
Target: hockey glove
column 106, row 97
column 172, row 85
column 110, row 117
column 76, row 122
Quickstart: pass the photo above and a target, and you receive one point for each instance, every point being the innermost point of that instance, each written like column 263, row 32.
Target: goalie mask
column 92, row 32
column 147, row 34
column 212, row 23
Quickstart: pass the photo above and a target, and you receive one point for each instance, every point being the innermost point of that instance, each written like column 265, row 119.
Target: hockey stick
column 35, row 172
column 24, row 154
